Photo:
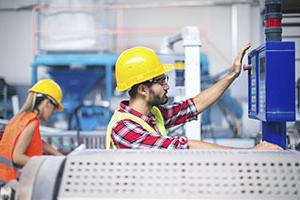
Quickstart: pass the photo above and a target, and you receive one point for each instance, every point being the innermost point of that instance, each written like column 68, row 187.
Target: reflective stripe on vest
column 7, row 144
column 7, row 169
column 118, row 116
column 159, row 119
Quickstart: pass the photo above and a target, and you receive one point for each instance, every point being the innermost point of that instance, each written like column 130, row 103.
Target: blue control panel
column 271, row 82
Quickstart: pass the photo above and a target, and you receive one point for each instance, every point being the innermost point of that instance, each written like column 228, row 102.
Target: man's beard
column 156, row 100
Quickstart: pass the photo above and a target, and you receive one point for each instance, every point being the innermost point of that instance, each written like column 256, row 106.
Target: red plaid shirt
column 127, row 134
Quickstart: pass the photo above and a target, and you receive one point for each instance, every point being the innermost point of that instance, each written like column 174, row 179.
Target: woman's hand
column 51, row 150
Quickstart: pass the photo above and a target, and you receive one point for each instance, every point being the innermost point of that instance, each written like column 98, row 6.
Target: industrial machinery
column 271, row 79
column 3, row 98
column 272, row 88
column 6, row 92
column 78, row 75
column 186, row 174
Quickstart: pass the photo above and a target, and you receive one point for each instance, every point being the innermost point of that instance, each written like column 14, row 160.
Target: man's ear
column 143, row 90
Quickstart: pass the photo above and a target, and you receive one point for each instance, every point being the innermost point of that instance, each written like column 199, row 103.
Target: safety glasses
column 163, row 80
column 52, row 102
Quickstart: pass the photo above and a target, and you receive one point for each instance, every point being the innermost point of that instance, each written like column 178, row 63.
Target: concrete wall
column 15, row 46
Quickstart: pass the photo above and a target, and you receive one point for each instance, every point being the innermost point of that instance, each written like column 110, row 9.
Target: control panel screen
column 262, row 65
column 253, row 106
column 262, row 84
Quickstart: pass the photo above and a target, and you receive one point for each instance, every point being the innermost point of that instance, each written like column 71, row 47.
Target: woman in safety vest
column 21, row 138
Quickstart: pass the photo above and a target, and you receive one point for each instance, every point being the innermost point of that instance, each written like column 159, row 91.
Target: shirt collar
column 125, row 108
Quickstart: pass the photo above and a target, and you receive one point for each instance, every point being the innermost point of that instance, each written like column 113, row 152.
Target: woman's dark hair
column 38, row 100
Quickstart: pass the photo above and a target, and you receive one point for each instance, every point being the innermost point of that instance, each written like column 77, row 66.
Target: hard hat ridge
column 136, row 65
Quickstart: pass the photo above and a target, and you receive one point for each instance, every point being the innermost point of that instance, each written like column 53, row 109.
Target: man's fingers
column 271, row 146
column 236, row 68
column 242, row 52
column 244, row 49
column 247, row 46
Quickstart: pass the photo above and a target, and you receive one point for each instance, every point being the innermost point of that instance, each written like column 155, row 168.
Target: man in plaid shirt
column 141, row 122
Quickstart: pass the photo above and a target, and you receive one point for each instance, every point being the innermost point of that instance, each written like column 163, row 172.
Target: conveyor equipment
column 158, row 174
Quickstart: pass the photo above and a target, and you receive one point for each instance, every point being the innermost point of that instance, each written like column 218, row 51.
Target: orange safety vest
column 9, row 140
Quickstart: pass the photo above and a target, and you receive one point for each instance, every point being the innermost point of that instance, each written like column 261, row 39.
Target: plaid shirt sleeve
column 127, row 134
column 179, row 113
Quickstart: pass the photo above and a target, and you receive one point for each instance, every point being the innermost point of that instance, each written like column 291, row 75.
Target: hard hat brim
column 49, row 88
column 60, row 107
column 168, row 67
column 165, row 68
column 129, row 83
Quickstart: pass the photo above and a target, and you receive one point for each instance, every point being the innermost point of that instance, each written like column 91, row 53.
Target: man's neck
column 140, row 106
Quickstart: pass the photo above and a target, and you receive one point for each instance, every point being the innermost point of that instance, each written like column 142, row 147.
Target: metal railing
column 66, row 141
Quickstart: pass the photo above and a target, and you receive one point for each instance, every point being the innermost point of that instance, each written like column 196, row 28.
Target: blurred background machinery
column 78, row 60
column 6, row 93
column 227, row 107
column 184, row 79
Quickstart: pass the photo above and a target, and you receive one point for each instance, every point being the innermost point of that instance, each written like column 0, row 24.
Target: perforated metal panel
column 182, row 175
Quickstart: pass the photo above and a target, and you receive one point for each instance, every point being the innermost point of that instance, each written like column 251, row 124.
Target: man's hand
column 267, row 146
column 209, row 96
column 236, row 67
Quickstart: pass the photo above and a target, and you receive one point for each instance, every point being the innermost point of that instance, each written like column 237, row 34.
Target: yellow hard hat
column 137, row 65
column 50, row 88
